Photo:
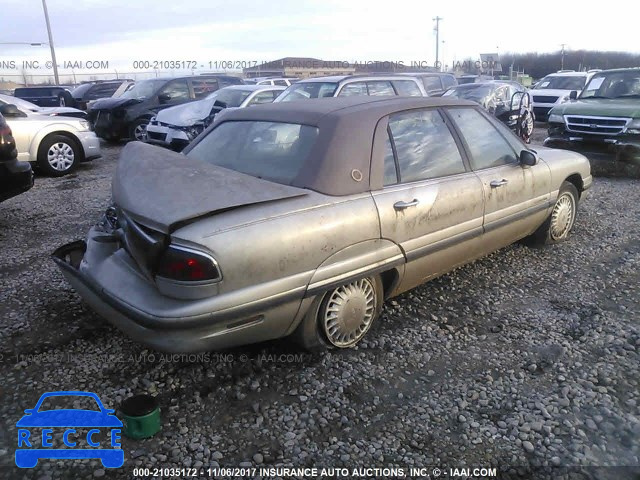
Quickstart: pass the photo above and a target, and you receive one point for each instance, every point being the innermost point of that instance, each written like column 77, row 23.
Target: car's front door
column 431, row 204
column 516, row 198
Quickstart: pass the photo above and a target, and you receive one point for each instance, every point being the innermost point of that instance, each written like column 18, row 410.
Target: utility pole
column 562, row 56
column 53, row 51
column 437, row 29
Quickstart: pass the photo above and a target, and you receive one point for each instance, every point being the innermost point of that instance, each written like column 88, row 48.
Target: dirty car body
column 278, row 213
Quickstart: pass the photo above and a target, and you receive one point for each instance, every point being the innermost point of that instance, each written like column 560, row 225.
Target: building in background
column 299, row 67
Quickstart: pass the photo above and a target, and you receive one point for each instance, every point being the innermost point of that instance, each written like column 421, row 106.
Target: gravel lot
column 526, row 358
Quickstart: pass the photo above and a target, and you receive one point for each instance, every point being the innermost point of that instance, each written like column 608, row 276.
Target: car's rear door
column 431, row 204
column 516, row 198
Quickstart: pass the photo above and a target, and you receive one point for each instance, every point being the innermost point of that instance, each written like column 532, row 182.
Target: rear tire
column 560, row 222
column 341, row 317
column 58, row 155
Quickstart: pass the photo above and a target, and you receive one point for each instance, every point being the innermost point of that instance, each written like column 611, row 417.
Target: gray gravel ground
column 526, row 358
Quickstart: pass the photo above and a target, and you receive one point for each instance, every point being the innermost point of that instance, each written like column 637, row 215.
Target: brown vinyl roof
column 346, row 130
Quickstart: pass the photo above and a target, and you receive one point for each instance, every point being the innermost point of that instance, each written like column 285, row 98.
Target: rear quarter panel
column 285, row 240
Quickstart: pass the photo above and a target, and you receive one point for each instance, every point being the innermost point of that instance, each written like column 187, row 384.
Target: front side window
column 407, row 88
column 269, row 150
column 424, row 145
column 487, row 147
column 280, row 83
column 176, row 91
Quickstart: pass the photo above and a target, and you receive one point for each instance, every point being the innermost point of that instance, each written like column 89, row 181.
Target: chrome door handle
column 403, row 205
column 498, row 183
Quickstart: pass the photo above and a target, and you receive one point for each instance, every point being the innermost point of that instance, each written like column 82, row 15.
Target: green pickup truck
column 605, row 117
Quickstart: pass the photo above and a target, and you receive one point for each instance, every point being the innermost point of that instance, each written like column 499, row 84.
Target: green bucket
column 141, row 416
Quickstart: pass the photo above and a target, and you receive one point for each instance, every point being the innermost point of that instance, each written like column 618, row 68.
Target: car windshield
column 561, row 82
column 144, row 89
column 613, row 85
column 18, row 102
column 269, row 150
column 475, row 92
column 65, row 402
column 306, row 90
column 231, row 97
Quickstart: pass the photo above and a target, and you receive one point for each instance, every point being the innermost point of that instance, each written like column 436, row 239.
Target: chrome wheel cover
column 349, row 312
column 140, row 132
column 60, row 156
column 562, row 216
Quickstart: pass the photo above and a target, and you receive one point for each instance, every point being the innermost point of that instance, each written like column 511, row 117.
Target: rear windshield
column 269, row 150
column 303, row 91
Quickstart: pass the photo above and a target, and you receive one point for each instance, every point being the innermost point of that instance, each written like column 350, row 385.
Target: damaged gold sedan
column 299, row 219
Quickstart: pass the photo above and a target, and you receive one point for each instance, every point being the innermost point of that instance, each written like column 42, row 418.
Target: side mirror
column 528, row 158
column 573, row 95
column 10, row 110
column 164, row 98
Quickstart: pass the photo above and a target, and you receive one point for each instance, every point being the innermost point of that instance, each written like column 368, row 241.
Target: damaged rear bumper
column 239, row 324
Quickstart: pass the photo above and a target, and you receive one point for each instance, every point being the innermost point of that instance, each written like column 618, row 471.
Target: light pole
column 437, row 29
column 53, row 51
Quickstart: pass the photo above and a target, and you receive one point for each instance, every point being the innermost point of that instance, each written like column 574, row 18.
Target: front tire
column 138, row 130
column 58, row 155
column 559, row 224
column 341, row 317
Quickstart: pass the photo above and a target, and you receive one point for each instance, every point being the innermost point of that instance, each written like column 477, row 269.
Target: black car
column 15, row 176
column 46, row 96
column 87, row 92
column 128, row 115
column 508, row 101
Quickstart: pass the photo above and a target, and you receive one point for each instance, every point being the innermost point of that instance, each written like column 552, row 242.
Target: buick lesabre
column 298, row 219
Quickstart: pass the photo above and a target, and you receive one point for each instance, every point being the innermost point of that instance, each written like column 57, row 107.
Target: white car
column 175, row 127
column 32, row 107
column 55, row 143
column 555, row 89
column 280, row 81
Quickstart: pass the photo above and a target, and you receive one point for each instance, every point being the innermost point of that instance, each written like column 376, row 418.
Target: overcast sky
column 353, row 30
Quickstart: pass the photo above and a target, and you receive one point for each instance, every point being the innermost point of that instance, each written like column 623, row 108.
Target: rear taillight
column 187, row 265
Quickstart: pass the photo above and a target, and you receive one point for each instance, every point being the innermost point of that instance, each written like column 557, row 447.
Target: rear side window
column 487, row 147
column 378, row 88
column 449, row 81
column 281, row 83
column 269, row 150
column 101, row 90
column 407, row 88
column 355, row 89
column 431, row 83
column 203, row 87
column 424, row 146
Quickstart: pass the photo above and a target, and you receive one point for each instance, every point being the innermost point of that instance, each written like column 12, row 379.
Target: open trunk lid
column 162, row 189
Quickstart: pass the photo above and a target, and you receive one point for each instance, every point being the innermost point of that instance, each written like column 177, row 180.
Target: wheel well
column 70, row 137
column 576, row 179
column 389, row 281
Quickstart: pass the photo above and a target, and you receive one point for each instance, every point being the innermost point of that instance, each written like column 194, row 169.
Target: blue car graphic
column 32, row 448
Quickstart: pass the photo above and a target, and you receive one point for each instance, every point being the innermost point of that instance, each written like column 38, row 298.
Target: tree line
column 540, row 64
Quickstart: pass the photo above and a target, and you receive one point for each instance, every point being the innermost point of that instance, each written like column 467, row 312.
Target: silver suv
column 354, row 85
